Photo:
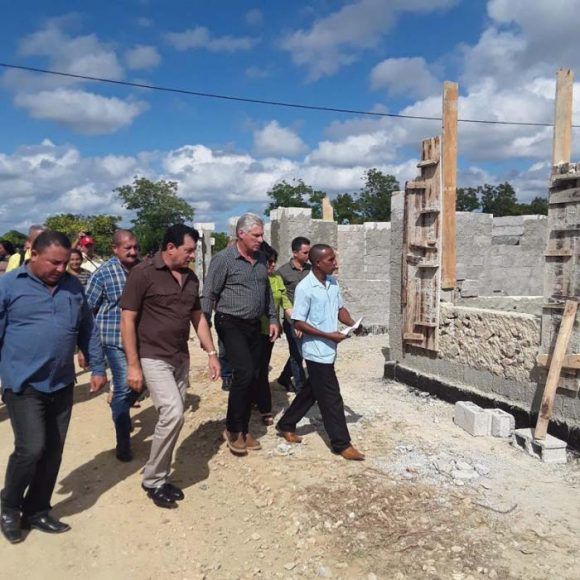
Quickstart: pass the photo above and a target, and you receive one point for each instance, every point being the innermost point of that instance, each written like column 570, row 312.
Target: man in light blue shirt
column 318, row 308
column 44, row 315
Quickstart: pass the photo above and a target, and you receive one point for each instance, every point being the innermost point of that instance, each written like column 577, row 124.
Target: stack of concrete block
column 483, row 422
column 548, row 450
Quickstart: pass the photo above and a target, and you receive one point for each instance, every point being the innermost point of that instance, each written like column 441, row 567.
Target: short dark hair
column 176, row 233
column 316, row 252
column 50, row 238
column 8, row 246
column 78, row 252
column 298, row 242
column 271, row 253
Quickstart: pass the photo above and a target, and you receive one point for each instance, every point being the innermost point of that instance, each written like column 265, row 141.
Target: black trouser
column 39, row 422
column 293, row 366
column 321, row 387
column 243, row 342
column 261, row 394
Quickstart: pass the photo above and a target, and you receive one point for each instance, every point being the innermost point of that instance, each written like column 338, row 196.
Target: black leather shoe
column 161, row 497
column 46, row 523
column 124, row 454
column 173, row 491
column 11, row 527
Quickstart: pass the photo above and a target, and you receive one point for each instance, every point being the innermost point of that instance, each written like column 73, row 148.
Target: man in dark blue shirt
column 44, row 315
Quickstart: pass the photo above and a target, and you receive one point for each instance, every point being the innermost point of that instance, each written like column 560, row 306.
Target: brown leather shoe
column 236, row 443
column 290, row 436
column 252, row 444
column 352, row 454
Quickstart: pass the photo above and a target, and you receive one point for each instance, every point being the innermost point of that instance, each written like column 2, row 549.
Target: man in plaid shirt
column 103, row 292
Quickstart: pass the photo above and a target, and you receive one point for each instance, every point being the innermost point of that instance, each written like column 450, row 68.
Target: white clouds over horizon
column 338, row 39
column 142, row 57
column 273, row 140
column 201, row 38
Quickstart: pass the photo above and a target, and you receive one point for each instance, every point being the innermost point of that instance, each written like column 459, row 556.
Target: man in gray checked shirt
column 237, row 287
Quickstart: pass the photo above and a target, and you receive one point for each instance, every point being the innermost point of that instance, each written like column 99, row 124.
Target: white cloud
column 144, row 22
column 142, row 57
column 254, row 17
column 201, row 37
column 338, row 39
column 61, row 99
column 276, row 140
column 82, row 55
column 405, row 76
column 81, row 111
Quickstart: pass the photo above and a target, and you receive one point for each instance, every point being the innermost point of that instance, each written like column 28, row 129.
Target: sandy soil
column 429, row 502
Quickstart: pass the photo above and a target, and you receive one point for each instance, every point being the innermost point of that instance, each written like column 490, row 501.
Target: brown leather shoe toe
column 236, row 443
column 252, row 444
column 290, row 436
column 352, row 454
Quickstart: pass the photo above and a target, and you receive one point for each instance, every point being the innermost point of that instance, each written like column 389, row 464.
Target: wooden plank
column 427, row 163
column 571, row 195
column 416, row 185
column 563, row 117
column 564, row 334
column 427, row 210
column 427, row 265
column 558, row 254
column 449, row 186
column 426, row 324
column 429, row 246
column 571, row 361
column 413, row 336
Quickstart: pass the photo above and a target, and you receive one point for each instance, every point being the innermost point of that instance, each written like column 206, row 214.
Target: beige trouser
column 167, row 385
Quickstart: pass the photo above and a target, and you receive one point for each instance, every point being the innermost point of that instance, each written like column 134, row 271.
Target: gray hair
column 247, row 221
column 35, row 229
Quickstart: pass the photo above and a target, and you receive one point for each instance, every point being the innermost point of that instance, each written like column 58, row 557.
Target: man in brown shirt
column 160, row 299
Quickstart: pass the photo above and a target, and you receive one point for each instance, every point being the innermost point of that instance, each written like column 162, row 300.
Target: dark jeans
column 293, row 366
column 123, row 397
column 261, row 394
column 243, row 342
column 39, row 422
column 226, row 369
column 321, row 387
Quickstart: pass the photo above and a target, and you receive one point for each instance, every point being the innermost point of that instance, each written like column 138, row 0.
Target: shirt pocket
column 317, row 312
column 69, row 312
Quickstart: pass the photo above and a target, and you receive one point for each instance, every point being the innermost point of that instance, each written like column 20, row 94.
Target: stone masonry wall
column 489, row 353
column 504, row 344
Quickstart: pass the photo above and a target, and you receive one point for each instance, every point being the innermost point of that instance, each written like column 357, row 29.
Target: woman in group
column 6, row 250
column 75, row 267
column 262, row 394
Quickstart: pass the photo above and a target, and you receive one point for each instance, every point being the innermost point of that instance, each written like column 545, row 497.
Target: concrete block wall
column 501, row 256
column 488, row 355
column 363, row 258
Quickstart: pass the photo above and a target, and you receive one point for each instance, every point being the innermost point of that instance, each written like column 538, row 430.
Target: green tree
column 374, row 200
column 538, row 206
column 467, row 199
column 295, row 194
column 16, row 237
column 346, row 209
column 157, row 206
column 100, row 227
column 499, row 200
column 221, row 241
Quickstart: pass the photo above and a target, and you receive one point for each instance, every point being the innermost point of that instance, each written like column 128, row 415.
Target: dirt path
column 430, row 501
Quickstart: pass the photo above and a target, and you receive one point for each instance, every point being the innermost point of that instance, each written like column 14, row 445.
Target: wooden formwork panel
column 421, row 276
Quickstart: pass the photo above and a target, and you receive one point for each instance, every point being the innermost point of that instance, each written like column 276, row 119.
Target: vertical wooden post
column 327, row 210
column 562, row 341
column 449, row 185
column 563, row 117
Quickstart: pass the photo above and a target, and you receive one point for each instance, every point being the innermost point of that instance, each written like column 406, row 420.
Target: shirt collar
column 158, row 261
column 25, row 271
column 314, row 281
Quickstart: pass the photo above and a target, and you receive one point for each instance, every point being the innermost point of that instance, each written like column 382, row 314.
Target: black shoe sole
column 49, row 531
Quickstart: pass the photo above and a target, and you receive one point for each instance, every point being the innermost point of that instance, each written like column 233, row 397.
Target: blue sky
column 65, row 145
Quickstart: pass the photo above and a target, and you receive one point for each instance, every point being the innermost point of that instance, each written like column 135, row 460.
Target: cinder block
column 472, row 418
column 502, row 423
column 470, row 289
column 548, row 450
